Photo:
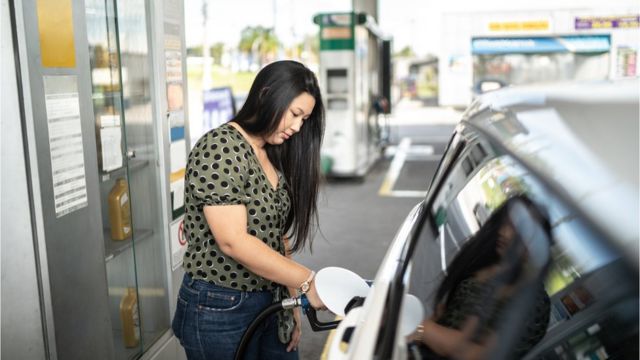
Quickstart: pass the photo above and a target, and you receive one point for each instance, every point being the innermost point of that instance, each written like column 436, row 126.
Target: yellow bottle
column 120, row 211
column 130, row 319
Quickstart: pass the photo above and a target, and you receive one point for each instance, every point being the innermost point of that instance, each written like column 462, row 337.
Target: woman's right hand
column 314, row 299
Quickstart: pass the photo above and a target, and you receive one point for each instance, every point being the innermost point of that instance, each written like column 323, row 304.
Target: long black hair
column 298, row 158
column 480, row 251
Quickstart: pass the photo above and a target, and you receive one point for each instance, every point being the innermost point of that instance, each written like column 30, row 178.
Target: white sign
column 111, row 142
column 178, row 151
column 65, row 144
column 178, row 243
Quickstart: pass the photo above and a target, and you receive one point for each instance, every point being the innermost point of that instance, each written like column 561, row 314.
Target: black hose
column 244, row 342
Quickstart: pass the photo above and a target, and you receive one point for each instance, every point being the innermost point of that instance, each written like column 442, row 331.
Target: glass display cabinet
column 128, row 172
column 94, row 159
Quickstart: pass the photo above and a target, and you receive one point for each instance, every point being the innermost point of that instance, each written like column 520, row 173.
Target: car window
column 455, row 145
column 498, row 270
column 593, row 295
column 466, row 197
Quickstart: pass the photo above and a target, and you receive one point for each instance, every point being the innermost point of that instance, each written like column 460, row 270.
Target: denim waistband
column 199, row 284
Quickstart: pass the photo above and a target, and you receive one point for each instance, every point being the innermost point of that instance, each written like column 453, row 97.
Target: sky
column 293, row 18
column 414, row 23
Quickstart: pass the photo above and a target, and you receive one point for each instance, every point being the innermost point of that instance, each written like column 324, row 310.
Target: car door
column 593, row 292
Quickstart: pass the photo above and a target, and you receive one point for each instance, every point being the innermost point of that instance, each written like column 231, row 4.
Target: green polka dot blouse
column 222, row 169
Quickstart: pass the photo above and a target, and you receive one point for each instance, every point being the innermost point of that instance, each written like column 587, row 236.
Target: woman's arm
column 228, row 224
column 293, row 291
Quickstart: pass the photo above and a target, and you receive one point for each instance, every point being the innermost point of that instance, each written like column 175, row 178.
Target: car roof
column 582, row 137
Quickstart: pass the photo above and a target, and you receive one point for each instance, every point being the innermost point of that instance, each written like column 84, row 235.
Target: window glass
column 592, row 307
column 467, row 166
column 478, row 153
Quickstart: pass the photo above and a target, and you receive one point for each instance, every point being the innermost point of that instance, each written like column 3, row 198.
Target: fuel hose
column 271, row 309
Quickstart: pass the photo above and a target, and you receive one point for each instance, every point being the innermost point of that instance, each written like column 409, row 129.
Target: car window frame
column 386, row 337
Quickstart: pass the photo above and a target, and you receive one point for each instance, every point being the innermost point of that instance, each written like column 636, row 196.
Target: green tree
column 406, row 51
column 194, row 51
column 311, row 44
column 260, row 42
column 216, row 52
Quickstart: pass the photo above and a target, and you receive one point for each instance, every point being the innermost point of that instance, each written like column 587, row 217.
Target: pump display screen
column 329, row 33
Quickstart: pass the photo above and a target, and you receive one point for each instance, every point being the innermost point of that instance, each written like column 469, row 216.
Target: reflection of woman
column 480, row 280
column 248, row 184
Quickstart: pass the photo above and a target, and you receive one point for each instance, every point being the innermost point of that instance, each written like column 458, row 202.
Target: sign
column 627, row 62
column 336, row 31
column 529, row 25
column 219, row 107
column 607, row 22
column 537, row 45
column 65, row 144
column 110, row 142
column 55, row 25
column 178, row 243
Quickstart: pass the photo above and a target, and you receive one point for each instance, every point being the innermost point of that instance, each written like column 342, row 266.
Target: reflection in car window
column 587, row 307
column 501, row 265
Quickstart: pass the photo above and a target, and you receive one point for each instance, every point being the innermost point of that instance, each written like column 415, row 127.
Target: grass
column 240, row 82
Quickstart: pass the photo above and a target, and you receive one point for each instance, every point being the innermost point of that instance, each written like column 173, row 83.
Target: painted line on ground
column 401, row 154
column 395, row 167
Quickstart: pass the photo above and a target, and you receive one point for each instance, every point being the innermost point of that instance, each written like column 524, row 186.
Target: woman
column 481, row 280
column 251, row 185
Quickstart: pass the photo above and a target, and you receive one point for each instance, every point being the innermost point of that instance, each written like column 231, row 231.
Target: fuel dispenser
column 355, row 73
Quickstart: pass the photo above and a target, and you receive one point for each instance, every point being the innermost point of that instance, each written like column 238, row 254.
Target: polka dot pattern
column 222, row 169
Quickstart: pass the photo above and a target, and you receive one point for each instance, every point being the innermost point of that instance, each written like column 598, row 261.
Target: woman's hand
column 297, row 331
column 314, row 299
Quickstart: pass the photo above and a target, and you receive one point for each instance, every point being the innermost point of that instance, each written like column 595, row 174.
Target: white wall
column 22, row 336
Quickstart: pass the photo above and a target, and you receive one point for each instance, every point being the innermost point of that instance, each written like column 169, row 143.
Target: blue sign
column 219, row 107
column 536, row 45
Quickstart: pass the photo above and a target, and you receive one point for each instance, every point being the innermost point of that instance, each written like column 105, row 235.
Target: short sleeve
column 214, row 174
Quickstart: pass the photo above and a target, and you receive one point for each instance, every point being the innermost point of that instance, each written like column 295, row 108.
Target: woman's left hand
column 297, row 331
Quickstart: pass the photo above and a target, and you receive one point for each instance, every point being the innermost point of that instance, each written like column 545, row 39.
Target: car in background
column 572, row 149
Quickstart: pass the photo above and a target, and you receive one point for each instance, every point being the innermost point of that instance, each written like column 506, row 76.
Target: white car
column 572, row 149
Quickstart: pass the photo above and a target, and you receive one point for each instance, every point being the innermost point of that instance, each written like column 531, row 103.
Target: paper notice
column 177, row 188
column 66, row 146
column 111, row 142
column 178, row 151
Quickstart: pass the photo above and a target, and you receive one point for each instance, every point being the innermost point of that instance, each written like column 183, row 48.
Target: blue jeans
column 210, row 321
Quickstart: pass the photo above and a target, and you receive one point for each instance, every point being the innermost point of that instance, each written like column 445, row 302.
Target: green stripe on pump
column 336, row 31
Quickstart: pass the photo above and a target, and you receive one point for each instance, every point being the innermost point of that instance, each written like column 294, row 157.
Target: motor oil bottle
column 120, row 210
column 130, row 318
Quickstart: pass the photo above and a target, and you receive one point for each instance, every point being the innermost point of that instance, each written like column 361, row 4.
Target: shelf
column 133, row 166
column 149, row 337
column 121, row 351
column 113, row 248
column 105, row 95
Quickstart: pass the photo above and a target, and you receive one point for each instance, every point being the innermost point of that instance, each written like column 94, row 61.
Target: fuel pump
column 354, row 77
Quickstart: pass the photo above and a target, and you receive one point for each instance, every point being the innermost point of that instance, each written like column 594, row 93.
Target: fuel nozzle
column 316, row 325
